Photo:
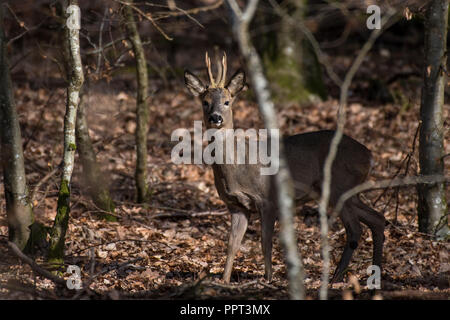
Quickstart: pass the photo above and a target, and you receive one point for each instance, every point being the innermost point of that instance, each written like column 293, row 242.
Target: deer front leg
column 267, row 227
column 239, row 223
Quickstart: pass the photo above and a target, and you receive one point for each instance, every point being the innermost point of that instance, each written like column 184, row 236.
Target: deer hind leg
column 353, row 231
column 239, row 223
column 268, row 216
column 376, row 223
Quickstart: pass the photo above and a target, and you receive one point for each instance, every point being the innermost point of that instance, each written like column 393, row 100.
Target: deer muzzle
column 215, row 119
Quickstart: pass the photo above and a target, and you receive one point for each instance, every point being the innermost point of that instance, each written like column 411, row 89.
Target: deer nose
column 215, row 118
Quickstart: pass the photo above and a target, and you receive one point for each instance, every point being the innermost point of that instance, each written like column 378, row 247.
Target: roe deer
column 245, row 191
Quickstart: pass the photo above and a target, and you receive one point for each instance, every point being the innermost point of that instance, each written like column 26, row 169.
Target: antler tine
column 219, row 71
column 208, row 66
column 224, row 70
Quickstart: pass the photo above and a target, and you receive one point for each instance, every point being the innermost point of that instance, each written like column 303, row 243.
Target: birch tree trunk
column 92, row 175
column 141, row 104
column 285, row 190
column 18, row 208
column 432, row 205
column 76, row 78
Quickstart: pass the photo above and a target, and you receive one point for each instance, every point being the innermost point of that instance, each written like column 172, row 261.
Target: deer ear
column 237, row 82
column 194, row 84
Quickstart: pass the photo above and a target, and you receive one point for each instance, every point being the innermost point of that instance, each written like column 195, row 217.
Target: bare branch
column 100, row 38
column 147, row 16
column 171, row 4
column 235, row 8
column 36, row 268
column 101, row 49
column 388, row 183
column 182, row 12
column 44, row 180
column 19, row 22
column 27, row 30
column 250, row 10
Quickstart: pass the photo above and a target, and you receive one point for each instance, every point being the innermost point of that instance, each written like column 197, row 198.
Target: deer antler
column 222, row 74
column 223, row 77
column 208, row 66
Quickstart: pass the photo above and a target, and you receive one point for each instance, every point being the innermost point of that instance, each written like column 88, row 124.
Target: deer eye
column 227, row 103
column 205, row 104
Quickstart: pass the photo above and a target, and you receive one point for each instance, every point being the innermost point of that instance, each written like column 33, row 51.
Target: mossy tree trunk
column 432, row 205
column 18, row 207
column 75, row 81
column 141, row 104
column 291, row 66
column 92, row 175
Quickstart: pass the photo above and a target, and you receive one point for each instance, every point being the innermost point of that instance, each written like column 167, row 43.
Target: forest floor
column 174, row 247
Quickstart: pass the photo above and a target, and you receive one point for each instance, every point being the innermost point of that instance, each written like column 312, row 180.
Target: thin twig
column 187, row 14
column 19, row 22
column 373, row 185
column 408, row 160
column 100, row 38
column 27, row 30
column 147, row 16
column 44, row 180
column 37, row 126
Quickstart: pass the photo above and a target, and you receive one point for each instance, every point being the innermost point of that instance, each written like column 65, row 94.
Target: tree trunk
column 18, row 208
column 432, row 205
column 141, row 104
column 92, row 175
column 75, row 78
column 292, row 68
column 283, row 181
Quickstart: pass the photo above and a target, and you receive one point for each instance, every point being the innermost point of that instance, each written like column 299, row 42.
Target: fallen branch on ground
column 190, row 214
column 34, row 266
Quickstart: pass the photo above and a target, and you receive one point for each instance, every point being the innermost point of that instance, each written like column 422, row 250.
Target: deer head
column 217, row 98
